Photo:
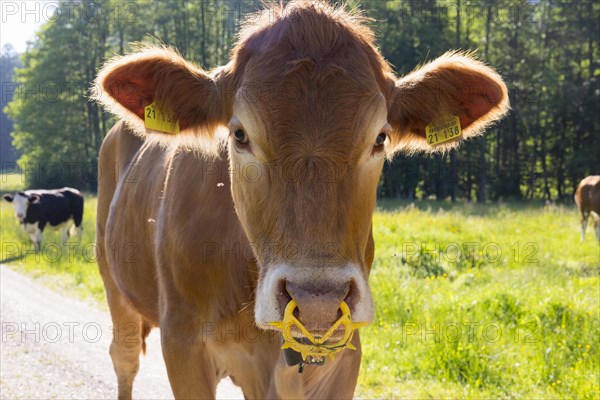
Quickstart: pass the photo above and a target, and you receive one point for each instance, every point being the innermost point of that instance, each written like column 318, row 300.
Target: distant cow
column 36, row 208
column 587, row 198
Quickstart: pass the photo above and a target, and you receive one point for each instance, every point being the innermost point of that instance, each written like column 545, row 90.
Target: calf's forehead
column 306, row 108
column 285, row 78
column 20, row 202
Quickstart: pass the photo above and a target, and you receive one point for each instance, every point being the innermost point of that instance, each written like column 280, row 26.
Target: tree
column 9, row 60
column 548, row 51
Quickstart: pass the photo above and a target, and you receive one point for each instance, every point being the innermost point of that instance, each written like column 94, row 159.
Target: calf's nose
column 318, row 306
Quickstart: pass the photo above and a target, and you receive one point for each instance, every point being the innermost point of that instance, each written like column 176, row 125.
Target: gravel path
column 56, row 347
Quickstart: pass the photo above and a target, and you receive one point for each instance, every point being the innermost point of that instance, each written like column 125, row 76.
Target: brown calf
column 210, row 236
column 587, row 198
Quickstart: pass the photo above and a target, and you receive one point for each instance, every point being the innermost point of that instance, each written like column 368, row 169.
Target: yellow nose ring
column 317, row 347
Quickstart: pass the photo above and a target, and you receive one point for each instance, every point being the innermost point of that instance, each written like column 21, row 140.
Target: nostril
column 283, row 296
column 317, row 303
column 352, row 297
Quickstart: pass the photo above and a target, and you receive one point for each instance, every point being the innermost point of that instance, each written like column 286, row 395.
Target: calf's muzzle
column 318, row 307
column 317, row 321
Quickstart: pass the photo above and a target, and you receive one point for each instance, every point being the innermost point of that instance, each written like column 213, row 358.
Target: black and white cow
column 36, row 208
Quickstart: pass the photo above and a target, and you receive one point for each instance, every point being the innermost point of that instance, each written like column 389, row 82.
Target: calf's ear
column 181, row 90
column 33, row 198
column 456, row 84
column 8, row 198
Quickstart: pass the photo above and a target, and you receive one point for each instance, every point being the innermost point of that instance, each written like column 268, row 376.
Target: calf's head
column 21, row 202
column 313, row 110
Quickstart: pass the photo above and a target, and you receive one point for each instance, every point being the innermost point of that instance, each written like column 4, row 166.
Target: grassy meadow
column 492, row 301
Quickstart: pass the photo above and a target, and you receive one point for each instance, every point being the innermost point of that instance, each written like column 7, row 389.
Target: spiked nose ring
column 316, row 350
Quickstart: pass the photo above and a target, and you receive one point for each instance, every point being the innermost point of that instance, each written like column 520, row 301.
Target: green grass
column 513, row 314
column 11, row 182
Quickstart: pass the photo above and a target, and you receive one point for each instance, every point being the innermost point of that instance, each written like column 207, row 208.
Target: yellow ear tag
column 317, row 347
column 156, row 119
column 443, row 130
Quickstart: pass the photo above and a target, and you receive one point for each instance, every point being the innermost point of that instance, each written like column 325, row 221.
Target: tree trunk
column 453, row 167
column 482, row 178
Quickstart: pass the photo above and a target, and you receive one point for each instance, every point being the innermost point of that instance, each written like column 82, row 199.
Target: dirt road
column 57, row 347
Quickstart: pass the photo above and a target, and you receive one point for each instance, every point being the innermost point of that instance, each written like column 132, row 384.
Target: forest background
column 547, row 51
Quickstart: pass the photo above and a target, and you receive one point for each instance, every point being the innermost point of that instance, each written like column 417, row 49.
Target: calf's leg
column 76, row 230
column 64, row 233
column 584, row 219
column 129, row 332
column 35, row 234
column 192, row 371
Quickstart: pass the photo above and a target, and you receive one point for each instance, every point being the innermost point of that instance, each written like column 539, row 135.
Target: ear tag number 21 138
column 158, row 120
column 442, row 131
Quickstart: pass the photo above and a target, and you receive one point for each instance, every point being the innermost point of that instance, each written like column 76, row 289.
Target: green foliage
column 10, row 183
column 548, row 52
column 57, row 129
column 424, row 264
column 9, row 60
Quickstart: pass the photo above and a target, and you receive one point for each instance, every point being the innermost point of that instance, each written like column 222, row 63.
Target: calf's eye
column 380, row 139
column 240, row 136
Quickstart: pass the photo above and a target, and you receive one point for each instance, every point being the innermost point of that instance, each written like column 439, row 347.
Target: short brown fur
column 587, row 198
column 186, row 239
